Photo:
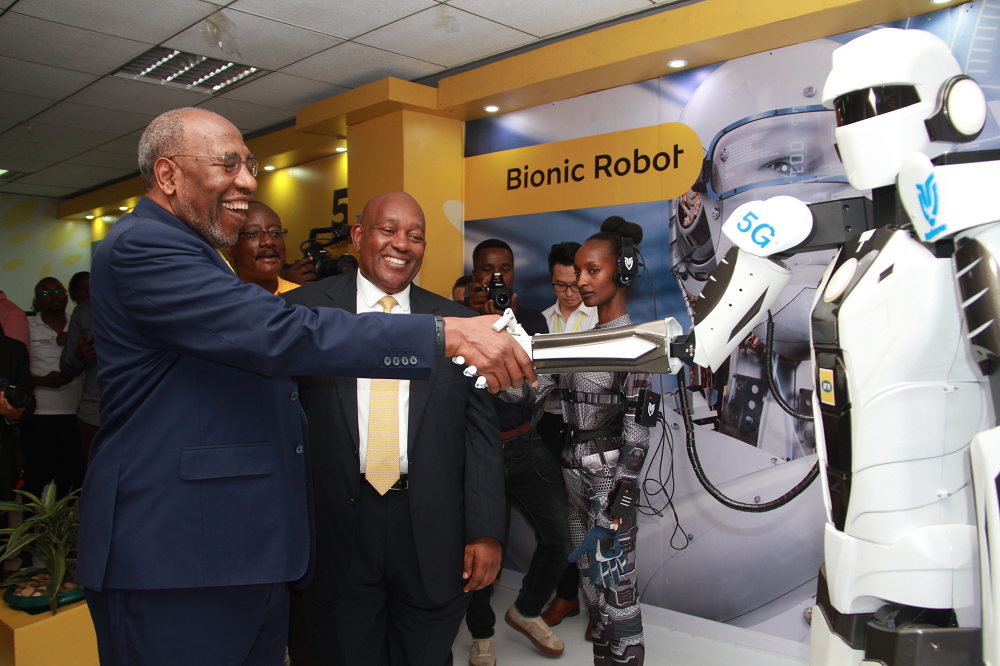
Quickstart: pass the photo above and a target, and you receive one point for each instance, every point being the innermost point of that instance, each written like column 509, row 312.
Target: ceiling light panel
column 186, row 71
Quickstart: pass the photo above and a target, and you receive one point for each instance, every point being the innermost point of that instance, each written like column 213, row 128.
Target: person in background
column 79, row 356
column 49, row 441
column 459, row 293
column 605, row 449
column 408, row 475
column 259, row 253
column 13, row 321
column 533, row 484
column 14, row 368
column 79, row 287
column 567, row 315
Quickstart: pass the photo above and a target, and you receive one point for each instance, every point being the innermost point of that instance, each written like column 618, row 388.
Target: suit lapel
column 344, row 295
column 420, row 303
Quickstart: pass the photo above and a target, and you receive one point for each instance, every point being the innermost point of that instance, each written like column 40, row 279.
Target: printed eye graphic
column 781, row 165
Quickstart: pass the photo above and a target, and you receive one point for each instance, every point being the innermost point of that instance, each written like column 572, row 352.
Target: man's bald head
column 389, row 240
column 374, row 208
column 166, row 135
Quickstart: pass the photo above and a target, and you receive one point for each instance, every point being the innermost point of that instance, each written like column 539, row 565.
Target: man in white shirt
column 50, row 441
column 407, row 475
column 567, row 315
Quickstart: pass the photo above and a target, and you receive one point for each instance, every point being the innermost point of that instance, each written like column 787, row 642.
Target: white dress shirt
column 583, row 318
column 368, row 301
column 44, row 354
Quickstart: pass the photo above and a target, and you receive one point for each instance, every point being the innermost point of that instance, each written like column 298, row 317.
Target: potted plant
column 49, row 534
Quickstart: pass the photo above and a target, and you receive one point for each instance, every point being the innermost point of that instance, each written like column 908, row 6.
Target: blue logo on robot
column 928, row 194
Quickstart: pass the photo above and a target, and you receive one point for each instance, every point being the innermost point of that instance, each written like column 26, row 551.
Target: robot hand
column 508, row 321
column 606, row 563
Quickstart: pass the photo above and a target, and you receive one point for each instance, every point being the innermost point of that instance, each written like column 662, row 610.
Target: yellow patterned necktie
column 382, row 462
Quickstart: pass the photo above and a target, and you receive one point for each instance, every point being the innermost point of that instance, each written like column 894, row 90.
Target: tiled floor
column 671, row 638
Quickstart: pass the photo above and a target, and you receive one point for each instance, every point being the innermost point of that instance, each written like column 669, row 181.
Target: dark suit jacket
column 456, row 471
column 198, row 474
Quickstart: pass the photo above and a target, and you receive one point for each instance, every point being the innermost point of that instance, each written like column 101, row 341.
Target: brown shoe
column 559, row 609
column 589, row 634
column 537, row 631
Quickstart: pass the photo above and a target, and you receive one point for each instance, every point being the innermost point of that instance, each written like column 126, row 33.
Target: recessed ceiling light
column 90, row 217
column 269, row 168
column 492, row 108
column 676, row 64
column 3, row 171
column 939, row 2
column 122, row 207
column 341, row 149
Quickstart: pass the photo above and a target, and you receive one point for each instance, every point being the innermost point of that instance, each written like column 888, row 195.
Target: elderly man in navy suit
column 195, row 509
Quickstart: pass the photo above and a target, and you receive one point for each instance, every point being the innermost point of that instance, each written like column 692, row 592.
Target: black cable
column 665, row 487
column 773, row 385
column 715, row 492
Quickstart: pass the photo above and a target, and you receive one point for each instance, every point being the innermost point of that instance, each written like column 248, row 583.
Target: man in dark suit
column 408, row 476
column 195, row 507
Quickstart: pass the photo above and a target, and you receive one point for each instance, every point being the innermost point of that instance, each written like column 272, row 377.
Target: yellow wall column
column 422, row 155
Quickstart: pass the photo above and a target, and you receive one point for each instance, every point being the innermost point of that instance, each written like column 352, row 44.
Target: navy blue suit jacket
column 456, row 477
column 198, row 474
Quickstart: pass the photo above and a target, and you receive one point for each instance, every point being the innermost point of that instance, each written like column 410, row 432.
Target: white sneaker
column 483, row 652
column 537, row 631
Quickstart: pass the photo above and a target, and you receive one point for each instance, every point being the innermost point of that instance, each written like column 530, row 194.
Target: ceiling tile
column 35, row 151
column 135, row 96
column 352, row 65
column 247, row 117
column 125, row 145
column 259, row 42
column 84, row 116
column 344, row 18
column 25, row 164
column 21, row 107
column 446, row 36
column 40, row 80
column 58, row 135
column 18, row 187
column 150, row 21
column 284, row 91
column 101, row 158
column 74, row 175
column 548, row 17
column 47, row 43
column 7, row 124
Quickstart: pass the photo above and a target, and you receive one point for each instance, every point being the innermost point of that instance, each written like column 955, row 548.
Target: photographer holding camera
column 17, row 401
column 533, row 479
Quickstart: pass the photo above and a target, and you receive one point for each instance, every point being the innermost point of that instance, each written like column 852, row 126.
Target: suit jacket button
column 387, row 360
column 299, row 449
column 351, row 501
column 395, row 360
column 413, row 360
column 294, row 396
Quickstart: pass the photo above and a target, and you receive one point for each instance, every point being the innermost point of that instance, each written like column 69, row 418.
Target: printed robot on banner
column 905, row 336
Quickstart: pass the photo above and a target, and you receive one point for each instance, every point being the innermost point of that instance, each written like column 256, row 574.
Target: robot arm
column 735, row 299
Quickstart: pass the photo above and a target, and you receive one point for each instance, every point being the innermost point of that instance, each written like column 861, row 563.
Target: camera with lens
column 16, row 397
column 316, row 249
column 499, row 293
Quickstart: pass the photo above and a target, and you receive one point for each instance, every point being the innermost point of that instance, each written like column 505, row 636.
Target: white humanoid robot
column 905, row 341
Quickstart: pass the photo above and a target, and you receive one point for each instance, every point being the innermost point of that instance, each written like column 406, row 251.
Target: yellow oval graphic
column 13, row 265
column 20, row 212
column 19, row 237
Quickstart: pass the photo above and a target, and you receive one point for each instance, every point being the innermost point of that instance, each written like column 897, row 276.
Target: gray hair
column 164, row 137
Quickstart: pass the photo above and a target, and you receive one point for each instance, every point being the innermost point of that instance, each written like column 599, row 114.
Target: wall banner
column 634, row 166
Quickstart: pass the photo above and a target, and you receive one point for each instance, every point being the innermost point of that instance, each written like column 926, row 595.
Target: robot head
column 898, row 92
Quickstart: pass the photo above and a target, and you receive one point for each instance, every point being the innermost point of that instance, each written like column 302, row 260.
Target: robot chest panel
column 887, row 313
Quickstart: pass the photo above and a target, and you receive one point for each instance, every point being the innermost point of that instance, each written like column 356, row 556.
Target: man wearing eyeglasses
column 259, row 252
column 195, row 511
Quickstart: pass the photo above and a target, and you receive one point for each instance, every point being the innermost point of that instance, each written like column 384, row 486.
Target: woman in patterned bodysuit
column 606, row 446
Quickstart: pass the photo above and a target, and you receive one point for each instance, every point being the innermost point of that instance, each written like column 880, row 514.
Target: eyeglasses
column 273, row 233
column 231, row 162
column 562, row 286
column 52, row 292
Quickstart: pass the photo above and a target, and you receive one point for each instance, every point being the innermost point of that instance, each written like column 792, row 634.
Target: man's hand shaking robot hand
column 905, row 350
